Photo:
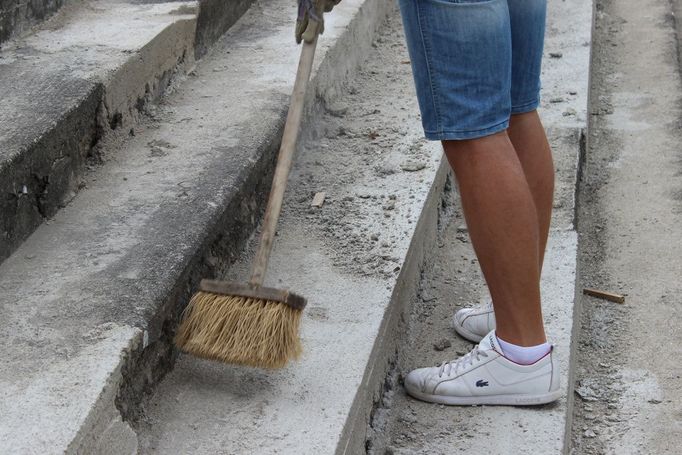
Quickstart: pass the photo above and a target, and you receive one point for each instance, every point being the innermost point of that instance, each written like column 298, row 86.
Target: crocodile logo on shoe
column 481, row 383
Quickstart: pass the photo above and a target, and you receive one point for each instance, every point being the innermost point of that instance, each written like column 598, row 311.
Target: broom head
column 240, row 324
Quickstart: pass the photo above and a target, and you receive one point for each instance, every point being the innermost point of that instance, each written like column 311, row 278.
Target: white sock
column 522, row 354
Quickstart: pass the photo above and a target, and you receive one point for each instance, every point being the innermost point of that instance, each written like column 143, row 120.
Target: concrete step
column 89, row 70
column 362, row 291
column 90, row 301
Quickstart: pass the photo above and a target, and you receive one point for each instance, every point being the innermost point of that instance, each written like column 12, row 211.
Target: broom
column 251, row 324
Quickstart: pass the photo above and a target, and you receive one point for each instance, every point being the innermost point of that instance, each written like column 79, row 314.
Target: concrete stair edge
column 46, row 167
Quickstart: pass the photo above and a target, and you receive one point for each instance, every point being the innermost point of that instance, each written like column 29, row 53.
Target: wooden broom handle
column 284, row 161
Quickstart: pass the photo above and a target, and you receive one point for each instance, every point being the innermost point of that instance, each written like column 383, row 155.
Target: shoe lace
column 467, row 359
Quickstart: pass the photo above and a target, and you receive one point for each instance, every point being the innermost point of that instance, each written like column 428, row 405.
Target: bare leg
column 530, row 142
column 503, row 226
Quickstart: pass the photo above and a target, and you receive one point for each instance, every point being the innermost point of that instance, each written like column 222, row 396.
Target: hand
column 310, row 20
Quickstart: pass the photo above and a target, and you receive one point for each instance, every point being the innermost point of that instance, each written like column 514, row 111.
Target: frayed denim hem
column 464, row 135
column 526, row 107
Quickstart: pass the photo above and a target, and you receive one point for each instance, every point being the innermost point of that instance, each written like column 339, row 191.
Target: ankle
column 521, row 338
column 524, row 355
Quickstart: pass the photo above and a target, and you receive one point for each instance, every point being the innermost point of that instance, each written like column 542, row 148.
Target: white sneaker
column 475, row 322
column 485, row 376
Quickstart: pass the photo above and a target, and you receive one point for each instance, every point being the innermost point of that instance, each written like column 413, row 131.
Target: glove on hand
column 310, row 20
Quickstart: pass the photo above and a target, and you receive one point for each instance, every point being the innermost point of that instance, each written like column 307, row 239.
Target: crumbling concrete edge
column 583, row 145
column 114, row 104
column 215, row 18
column 354, row 436
column 144, row 78
column 104, row 431
column 575, row 316
column 56, row 160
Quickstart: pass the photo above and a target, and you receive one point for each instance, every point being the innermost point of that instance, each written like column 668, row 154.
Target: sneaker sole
column 501, row 400
column 465, row 333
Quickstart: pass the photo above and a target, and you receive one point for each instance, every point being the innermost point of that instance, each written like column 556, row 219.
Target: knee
column 523, row 118
column 493, row 150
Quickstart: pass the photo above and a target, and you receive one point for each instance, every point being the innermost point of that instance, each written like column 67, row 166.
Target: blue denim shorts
column 475, row 62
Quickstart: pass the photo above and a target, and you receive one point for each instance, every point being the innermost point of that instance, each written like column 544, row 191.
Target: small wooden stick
column 318, row 200
column 610, row 296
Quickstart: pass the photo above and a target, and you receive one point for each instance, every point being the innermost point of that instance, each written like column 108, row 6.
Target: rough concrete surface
column 215, row 17
column 565, row 67
column 90, row 69
column 90, row 300
column 628, row 382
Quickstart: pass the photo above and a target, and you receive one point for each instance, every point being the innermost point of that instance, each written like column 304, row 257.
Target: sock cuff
column 524, row 355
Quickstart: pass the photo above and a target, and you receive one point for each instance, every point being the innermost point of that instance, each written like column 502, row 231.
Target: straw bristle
column 246, row 331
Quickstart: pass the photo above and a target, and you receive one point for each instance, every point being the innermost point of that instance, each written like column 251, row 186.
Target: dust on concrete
column 356, row 135
column 627, row 376
column 451, row 279
column 601, row 322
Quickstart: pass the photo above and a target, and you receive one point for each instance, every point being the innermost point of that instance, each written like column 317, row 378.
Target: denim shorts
column 475, row 62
